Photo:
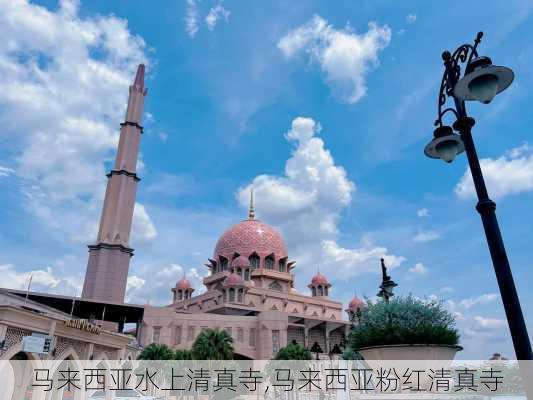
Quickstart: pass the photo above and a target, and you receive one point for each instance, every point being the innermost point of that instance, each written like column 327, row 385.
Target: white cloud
column 447, row 289
column 343, row 55
column 143, row 229
column 411, row 18
column 63, row 88
column 43, row 279
column 306, row 203
column 215, row 14
column 479, row 300
column 489, row 323
column 191, row 18
column 422, row 213
column 509, row 174
column 418, row 269
column 4, row 171
column 427, row 236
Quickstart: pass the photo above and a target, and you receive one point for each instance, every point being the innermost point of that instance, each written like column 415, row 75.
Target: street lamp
column 481, row 81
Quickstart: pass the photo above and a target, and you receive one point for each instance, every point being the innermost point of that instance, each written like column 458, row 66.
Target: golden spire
column 251, row 209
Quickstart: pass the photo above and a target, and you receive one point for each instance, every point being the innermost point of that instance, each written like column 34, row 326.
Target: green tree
column 182, row 354
column 293, row 351
column 156, row 351
column 213, row 344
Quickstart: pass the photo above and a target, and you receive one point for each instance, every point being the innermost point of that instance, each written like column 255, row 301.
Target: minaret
column 109, row 257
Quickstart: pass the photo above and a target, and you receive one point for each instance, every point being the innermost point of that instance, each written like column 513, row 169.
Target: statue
column 387, row 284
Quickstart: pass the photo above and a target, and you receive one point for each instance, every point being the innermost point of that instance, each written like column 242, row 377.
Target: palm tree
column 213, row 344
column 156, row 351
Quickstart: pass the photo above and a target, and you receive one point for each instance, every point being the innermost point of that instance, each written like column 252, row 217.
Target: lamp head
column 445, row 144
column 483, row 80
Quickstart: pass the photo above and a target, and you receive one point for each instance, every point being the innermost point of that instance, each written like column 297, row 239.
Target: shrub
column 404, row 320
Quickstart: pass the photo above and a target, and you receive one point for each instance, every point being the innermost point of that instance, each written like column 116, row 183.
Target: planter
column 410, row 357
column 410, row 352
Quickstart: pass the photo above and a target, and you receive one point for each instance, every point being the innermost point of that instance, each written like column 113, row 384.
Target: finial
column 139, row 77
column 251, row 210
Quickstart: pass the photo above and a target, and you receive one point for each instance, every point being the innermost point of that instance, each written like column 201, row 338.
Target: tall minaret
column 109, row 257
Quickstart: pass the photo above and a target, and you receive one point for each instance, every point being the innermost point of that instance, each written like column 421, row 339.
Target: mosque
column 249, row 287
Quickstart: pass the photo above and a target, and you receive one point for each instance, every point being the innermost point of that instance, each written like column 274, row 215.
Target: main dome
column 248, row 237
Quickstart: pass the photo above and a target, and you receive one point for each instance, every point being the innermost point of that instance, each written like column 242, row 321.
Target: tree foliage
column 213, row 344
column 404, row 320
column 156, row 351
column 293, row 351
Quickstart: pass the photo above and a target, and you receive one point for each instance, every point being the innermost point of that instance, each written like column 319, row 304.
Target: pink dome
column 233, row 280
column 319, row 279
column 250, row 236
column 183, row 284
column 355, row 303
column 240, row 261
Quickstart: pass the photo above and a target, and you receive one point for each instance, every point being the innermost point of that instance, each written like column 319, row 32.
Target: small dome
column 183, row 284
column 319, row 279
column 233, row 280
column 240, row 261
column 355, row 304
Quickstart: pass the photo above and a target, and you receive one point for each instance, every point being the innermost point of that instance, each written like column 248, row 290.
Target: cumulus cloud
column 42, row 279
column 344, row 56
column 143, row 229
column 426, row 236
column 215, row 14
column 63, row 89
column 306, row 203
column 509, row 174
column 418, row 269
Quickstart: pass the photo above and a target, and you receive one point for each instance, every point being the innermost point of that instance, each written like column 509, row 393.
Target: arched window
column 239, row 295
column 239, row 271
column 254, row 260
column 246, row 274
column 223, row 263
column 180, row 295
column 283, row 265
column 313, row 290
column 326, row 291
column 320, row 291
column 232, row 294
column 269, row 262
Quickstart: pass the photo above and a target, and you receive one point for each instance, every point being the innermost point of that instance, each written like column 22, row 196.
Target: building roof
column 240, row 261
column 249, row 237
column 85, row 308
column 233, row 280
column 355, row 303
column 183, row 284
column 319, row 279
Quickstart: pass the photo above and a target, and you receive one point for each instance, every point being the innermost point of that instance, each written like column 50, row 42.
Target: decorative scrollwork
column 463, row 55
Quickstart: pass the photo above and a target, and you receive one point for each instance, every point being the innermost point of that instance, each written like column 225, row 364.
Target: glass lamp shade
column 483, row 81
column 447, row 150
column 444, row 145
column 484, row 87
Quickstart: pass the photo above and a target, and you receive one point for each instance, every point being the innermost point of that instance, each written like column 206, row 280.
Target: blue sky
column 326, row 110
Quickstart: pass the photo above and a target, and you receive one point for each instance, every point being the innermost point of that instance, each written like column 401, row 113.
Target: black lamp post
column 481, row 81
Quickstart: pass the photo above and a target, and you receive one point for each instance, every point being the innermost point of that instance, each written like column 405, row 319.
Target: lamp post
column 481, row 81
